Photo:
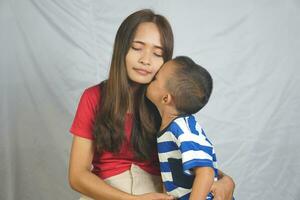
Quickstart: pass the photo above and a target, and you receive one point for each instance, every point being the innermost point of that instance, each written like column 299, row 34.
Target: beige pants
column 134, row 181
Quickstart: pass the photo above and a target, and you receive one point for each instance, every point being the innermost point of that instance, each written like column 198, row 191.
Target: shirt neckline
column 166, row 128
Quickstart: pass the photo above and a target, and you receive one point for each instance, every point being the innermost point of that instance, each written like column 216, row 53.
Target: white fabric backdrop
column 52, row 50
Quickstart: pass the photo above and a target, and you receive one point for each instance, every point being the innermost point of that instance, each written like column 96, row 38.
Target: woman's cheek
column 159, row 65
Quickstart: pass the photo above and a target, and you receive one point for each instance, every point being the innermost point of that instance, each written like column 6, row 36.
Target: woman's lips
column 142, row 71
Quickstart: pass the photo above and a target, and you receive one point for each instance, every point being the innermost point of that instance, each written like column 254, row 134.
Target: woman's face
column 144, row 57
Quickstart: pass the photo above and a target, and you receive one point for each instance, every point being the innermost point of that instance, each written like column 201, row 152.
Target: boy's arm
column 204, row 178
column 164, row 189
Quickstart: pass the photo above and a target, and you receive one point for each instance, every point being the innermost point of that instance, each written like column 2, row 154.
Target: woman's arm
column 204, row 178
column 223, row 188
column 84, row 181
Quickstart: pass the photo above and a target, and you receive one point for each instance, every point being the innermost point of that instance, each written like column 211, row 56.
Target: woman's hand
column 154, row 196
column 223, row 188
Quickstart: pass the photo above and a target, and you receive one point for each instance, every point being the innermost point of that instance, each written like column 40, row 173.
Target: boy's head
column 181, row 83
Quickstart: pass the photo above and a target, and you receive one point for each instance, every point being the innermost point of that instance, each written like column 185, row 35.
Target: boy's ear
column 167, row 98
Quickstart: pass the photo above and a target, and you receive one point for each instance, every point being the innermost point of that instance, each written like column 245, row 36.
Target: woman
column 115, row 125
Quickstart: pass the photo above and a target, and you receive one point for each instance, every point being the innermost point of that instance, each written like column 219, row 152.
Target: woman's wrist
column 229, row 186
column 130, row 197
column 228, row 181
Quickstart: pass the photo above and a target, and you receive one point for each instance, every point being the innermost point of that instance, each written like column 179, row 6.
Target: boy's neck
column 166, row 117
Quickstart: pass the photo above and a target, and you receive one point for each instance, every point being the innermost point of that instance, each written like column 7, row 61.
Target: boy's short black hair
column 191, row 85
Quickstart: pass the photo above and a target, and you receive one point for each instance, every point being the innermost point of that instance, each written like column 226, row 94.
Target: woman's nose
column 145, row 58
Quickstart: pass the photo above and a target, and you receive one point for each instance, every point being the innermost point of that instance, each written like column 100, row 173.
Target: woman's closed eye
column 158, row 54
column 157, row 51
column 136, row 48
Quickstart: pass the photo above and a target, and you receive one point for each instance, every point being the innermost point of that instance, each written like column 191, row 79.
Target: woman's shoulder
column 93, row 90
column 92, row 93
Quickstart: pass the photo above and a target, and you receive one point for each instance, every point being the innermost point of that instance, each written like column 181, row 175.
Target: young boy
column 187, row 158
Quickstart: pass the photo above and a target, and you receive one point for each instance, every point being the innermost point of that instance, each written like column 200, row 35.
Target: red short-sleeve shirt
column 107, row 164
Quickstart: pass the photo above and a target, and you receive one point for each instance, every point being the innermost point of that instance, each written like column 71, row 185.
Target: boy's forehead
column 168, row 66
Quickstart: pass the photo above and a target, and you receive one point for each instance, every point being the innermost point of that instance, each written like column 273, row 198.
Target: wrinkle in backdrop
column 52, row 50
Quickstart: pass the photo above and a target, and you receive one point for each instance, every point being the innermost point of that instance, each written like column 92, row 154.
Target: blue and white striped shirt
column 183, row 145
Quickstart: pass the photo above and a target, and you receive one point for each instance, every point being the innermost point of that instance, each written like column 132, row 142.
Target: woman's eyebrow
column 143, row 43
column 140, row 42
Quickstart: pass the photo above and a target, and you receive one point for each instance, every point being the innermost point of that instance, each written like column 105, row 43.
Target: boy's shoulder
column 186, row 121
column 184, row 124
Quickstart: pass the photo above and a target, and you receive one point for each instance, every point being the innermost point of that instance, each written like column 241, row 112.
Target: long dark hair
column 114, row 102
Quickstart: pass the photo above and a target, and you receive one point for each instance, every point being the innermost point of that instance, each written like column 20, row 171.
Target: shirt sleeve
column 196, row 150
column 85, row 115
